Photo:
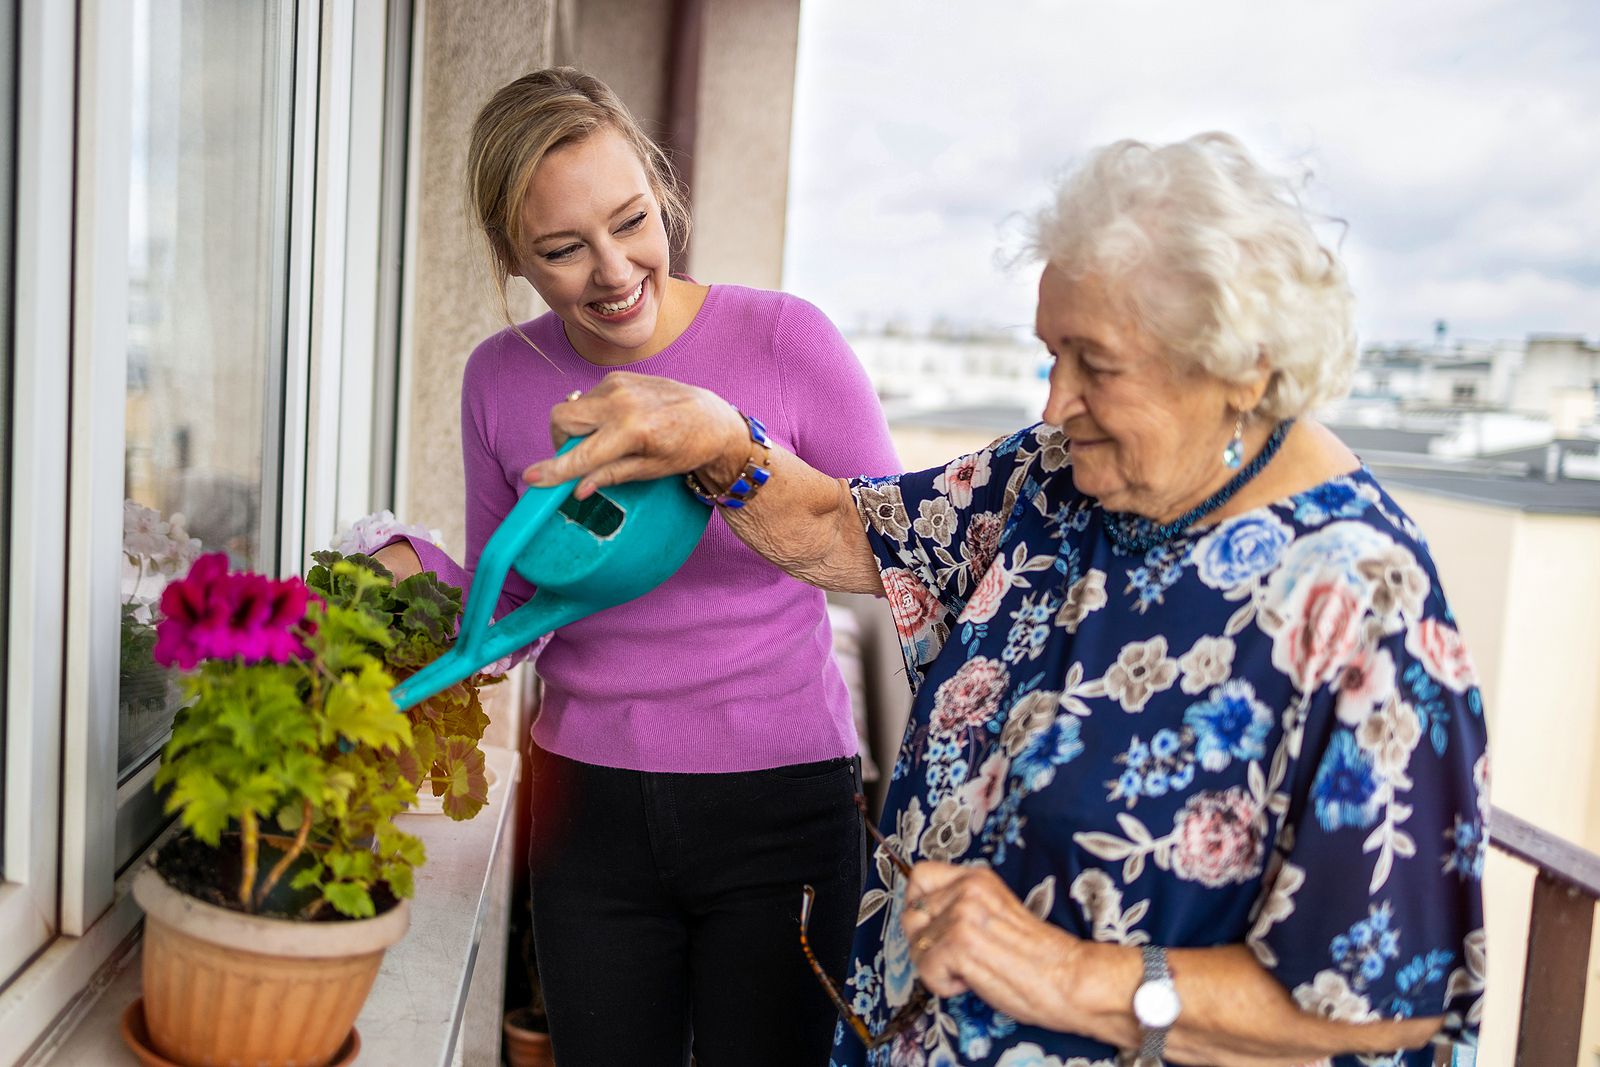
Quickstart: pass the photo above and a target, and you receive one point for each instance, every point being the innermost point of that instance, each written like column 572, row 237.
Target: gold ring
column 574, row 395
column 923, row 943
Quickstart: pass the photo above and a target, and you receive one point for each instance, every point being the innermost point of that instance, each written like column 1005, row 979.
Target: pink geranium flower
column 211, row 614
column 269, row 612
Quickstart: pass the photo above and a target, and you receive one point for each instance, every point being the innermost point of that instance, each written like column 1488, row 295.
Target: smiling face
column 596, row 248
column 1146, row 432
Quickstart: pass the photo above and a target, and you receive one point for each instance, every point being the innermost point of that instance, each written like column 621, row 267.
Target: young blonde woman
column 695, row 756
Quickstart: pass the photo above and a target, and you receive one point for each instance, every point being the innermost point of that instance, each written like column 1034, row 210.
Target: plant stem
column 137, row 581
column 282, row 866
column 252, row 847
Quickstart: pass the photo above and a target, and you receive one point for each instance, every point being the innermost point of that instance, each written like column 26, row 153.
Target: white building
column 922, row 372
column 1559, row 379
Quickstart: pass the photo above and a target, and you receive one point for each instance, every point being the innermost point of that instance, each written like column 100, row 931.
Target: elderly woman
column 1197, row 764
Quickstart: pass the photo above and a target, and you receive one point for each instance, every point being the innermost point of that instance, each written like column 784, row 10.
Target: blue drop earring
column 1233, row 454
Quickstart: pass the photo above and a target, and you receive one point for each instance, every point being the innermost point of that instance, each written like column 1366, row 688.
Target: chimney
column 1552, row 461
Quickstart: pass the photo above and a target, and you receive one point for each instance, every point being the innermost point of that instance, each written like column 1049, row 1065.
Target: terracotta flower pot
column 526, row 1046
column 225, row 989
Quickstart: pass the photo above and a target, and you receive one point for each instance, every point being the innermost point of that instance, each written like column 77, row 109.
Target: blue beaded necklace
column 1135, row 535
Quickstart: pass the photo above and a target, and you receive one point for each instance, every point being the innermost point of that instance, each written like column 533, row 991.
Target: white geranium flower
column 371, row 532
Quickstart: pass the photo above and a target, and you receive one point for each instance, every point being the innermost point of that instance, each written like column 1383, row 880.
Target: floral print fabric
column 1266, row 731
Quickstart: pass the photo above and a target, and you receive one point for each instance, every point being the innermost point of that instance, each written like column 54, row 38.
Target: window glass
column 202, row 466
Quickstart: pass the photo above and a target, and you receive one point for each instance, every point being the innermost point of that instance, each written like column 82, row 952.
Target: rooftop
column 997, row 418
column 1568, row 496
column 1398, row 457
column 1383, row 439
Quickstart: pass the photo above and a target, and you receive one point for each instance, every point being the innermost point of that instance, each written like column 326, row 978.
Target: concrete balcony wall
column 738, row 165
column 741, row 168
column 464, row 52
column 628, row 45
column 1523, row 588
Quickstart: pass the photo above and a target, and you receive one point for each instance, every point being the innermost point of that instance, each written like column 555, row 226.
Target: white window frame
column 63, row 800
column 338, row 300
column 37, row 580
column 94, row 482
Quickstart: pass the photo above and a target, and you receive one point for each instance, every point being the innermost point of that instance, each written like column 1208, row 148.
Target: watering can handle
column 503, row 546
column 476, row 638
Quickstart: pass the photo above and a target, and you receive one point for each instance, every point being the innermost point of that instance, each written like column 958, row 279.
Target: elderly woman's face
column 1146, row 434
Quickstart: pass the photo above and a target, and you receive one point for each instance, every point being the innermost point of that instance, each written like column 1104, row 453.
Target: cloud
column 1456, row 142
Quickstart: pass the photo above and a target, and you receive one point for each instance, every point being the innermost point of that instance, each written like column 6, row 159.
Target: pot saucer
column 137, row 1038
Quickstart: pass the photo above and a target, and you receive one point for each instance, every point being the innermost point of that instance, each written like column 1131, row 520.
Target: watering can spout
column 582, row 556
column 516, row 631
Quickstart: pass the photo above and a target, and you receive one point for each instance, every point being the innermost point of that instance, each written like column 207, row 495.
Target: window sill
column 439, row 975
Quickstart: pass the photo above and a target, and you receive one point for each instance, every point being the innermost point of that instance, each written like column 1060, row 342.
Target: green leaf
column 307, row 878
column 414, row 651
column 345, row 866
column 427, row 606
column 337, row 788
column 429, row 713
column 467, row 719
column 350, row 899
column 466, row 781
column 203, row 804
column 405, row 765
column 258, row 793
column 255, row 710
column 398, row 875
column 302, row 773
column 412, row 850
column 361, row 709
column 425, row 746
column 360, row 624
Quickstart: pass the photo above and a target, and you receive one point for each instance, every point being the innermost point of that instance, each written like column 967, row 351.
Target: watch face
column 1155, row 1004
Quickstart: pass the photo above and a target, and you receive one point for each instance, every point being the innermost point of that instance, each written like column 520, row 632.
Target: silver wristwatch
column 1156, row 1006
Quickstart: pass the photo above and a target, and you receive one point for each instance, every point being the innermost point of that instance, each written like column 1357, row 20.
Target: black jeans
column 666, row 911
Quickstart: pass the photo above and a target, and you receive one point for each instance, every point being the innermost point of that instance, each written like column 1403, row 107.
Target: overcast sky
column 1460, row 140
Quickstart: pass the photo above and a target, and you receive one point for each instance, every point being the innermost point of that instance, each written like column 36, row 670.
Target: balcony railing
column 1556, row 975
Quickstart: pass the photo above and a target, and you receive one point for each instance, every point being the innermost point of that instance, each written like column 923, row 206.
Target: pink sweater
column 728, row 665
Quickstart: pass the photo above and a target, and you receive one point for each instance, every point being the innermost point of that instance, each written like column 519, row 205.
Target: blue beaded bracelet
column 748, row 481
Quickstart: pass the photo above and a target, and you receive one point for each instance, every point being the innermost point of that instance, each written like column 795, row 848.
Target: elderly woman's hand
column 968, row 931
column 642, row 427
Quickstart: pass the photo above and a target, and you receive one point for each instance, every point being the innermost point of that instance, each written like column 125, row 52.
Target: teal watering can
column 581, row 555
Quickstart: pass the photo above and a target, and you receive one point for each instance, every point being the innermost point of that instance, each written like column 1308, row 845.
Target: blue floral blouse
column 1266, row 731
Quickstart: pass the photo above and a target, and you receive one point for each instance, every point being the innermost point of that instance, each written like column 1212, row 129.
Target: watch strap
column 1153, row 1039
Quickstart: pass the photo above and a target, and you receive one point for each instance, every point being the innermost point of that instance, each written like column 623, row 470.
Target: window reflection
column 200, row 468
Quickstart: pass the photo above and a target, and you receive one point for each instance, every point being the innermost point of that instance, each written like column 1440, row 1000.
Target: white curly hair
column 1215, row 258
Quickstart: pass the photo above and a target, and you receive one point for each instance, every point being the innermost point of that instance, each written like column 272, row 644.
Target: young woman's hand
column 400, row 559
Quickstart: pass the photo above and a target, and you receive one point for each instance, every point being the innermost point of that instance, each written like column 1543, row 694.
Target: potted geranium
column 268, row 918
column 420, row 615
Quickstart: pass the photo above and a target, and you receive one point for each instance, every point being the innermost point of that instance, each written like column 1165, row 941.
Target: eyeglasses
column 920, row 996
